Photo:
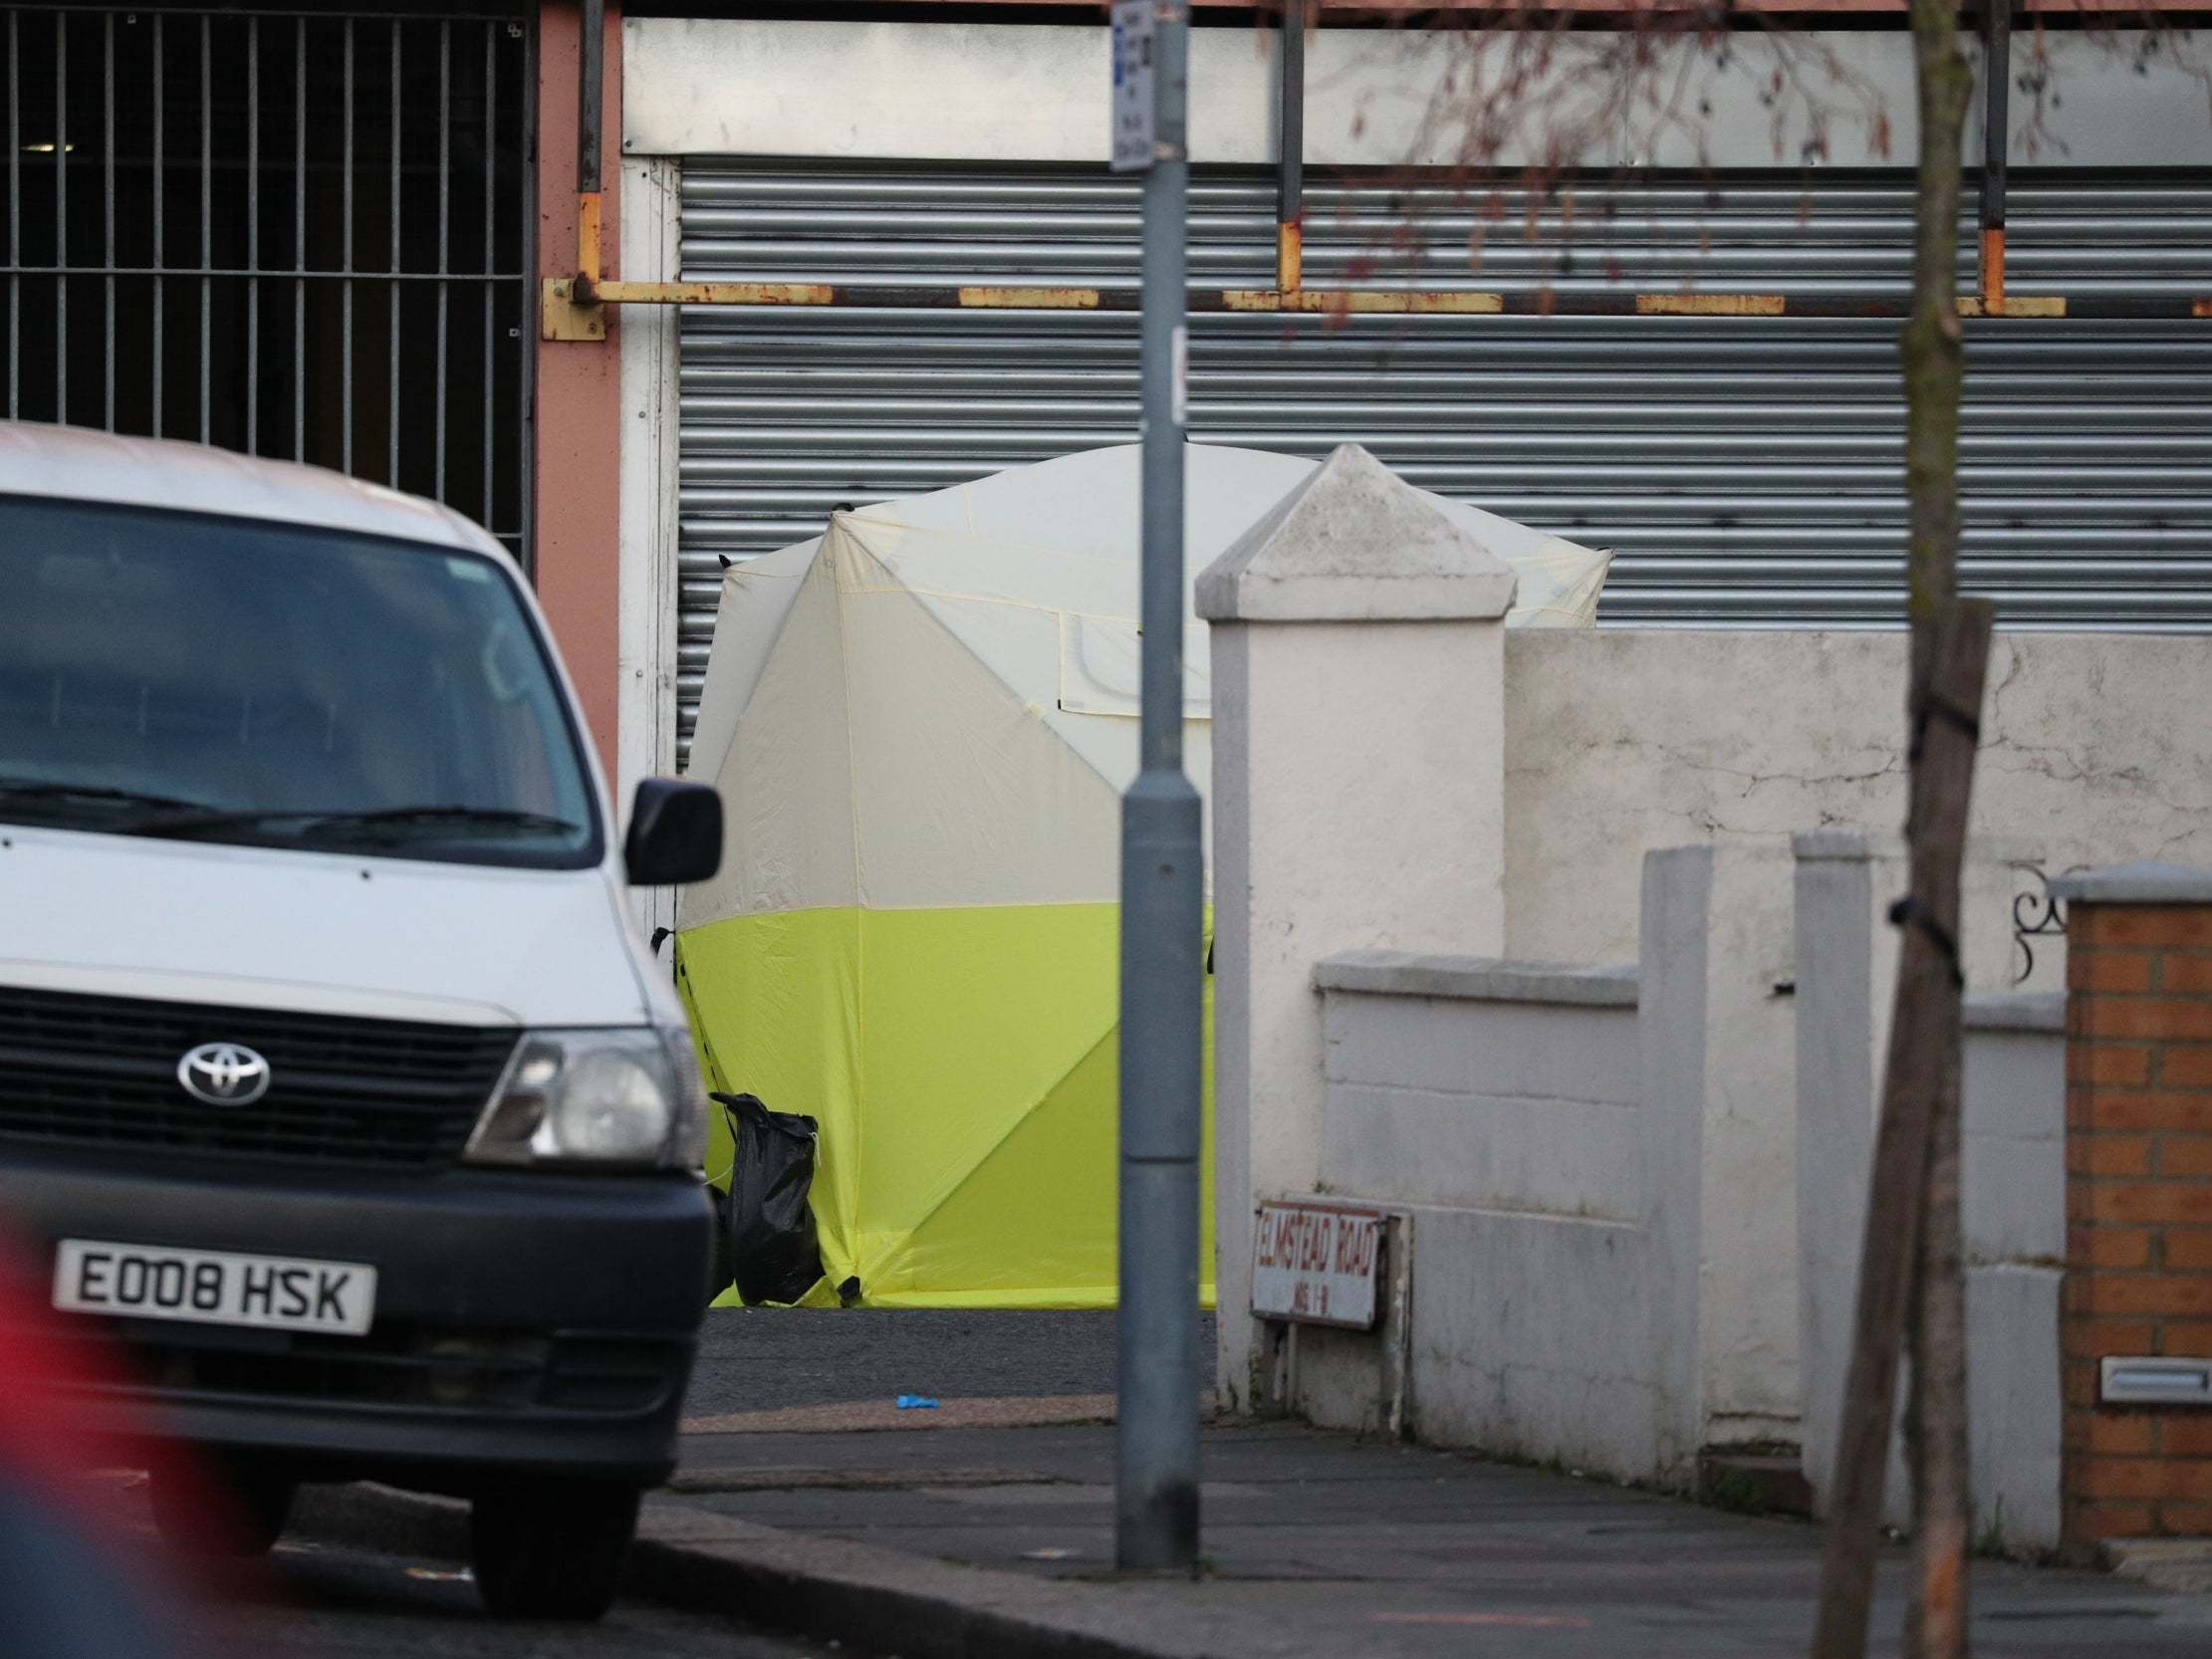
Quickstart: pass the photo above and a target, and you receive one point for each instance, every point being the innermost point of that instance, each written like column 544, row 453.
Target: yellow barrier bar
column 1324, row 300
column 1029, row 298
column 715, row 292
column 1710, row 305
column 2013, row 305
column 582, row 295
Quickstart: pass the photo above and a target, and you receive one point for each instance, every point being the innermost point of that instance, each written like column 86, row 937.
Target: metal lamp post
column 1156, row 1462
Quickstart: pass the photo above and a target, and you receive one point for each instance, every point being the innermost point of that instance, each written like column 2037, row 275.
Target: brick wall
column 2139, row 1207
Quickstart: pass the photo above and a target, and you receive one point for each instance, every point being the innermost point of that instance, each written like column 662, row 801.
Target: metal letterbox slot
column 2148, row 1381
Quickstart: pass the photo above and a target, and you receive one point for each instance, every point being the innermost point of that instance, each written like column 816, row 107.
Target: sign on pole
column 1134, row 130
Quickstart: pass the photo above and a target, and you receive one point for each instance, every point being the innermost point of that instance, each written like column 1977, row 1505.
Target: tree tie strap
column 1909, row 911
column 1935, row 706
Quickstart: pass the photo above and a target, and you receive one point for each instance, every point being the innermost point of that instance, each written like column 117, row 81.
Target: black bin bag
column 771, row 1227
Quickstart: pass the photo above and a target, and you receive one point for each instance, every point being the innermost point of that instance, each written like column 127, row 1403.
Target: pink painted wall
column 579, row 383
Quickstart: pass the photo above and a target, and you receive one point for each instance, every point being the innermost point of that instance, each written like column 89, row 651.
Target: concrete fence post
column 1673, row 1023
column 1359, row 667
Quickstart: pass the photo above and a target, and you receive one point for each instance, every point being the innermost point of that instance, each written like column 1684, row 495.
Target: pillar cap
column 2142, row 884
column 1355, row 543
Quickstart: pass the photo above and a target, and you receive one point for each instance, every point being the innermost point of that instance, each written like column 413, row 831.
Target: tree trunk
column 1933, row 361
column 1931, row 346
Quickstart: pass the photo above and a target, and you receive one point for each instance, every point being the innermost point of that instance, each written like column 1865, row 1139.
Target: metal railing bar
column 391, row 407
column 15, row 218
column 299, row 239
column 346, row 260
column 60, row 215
column 207, row 220
column 524, row 334
column 253, row 234
column 445, row 222
column 160, row 178
column 491, row 218
column 108, row 164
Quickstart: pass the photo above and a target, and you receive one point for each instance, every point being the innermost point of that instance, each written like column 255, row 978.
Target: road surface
column 326, row 1601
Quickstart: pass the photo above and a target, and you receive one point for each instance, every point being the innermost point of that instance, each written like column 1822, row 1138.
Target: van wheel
column 551, row 1550
column 238, row 1512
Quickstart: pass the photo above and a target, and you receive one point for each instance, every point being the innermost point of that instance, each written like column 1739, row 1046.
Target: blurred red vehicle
column 75, row 1582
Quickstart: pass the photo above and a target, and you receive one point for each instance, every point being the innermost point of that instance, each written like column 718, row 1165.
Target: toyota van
column 336, row 1085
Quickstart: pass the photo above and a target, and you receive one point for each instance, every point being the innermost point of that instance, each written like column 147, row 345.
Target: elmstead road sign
column 1317, row 1263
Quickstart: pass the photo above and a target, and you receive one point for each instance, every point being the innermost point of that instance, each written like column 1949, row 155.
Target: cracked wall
column 2097, row 750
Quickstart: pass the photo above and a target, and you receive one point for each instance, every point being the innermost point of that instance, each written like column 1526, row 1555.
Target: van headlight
column 629, row 1099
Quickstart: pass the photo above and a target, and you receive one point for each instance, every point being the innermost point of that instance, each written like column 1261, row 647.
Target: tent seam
column 860, row 895
column 1037, row 1102
column 1029, row 710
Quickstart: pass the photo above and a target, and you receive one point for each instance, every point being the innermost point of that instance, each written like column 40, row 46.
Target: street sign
column 1317, row 1263
column 1132, row 85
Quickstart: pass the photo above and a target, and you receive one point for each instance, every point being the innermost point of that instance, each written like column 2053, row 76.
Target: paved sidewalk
column 762, row 1357
column 980, row 1540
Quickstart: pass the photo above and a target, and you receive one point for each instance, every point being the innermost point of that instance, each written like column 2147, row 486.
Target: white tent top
column 1035, row 571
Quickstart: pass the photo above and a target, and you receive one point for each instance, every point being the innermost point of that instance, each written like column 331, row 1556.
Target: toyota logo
column 224, row 1074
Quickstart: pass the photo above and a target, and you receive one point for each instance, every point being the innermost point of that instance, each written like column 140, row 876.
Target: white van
column 335, row 1079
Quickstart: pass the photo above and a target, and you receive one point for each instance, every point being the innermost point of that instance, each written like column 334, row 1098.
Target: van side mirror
column 675, row 832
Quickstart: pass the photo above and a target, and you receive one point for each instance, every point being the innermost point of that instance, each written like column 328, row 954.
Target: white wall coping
column 2141, row 883
column 1401, row 973
column 2027, row 1010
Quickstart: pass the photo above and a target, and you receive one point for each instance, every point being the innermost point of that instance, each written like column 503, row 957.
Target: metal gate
column 298, row 233
column 1747, row 470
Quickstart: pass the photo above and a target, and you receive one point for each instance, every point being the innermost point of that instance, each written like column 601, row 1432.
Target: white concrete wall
column 1307, row 801
column 1038, row 92
column 1620, row 740
column 2014, row 1197
column 1543, row 1130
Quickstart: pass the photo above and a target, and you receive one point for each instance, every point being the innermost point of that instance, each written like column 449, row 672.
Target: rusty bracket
column 565, row 316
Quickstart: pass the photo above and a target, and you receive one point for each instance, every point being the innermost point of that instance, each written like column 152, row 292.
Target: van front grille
column 92, row 1071
column 400, row 1365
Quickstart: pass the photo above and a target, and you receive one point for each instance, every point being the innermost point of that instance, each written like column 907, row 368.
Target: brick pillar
column 2138, row 1196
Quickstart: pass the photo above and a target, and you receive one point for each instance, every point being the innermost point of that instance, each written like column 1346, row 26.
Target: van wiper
column 97, row 794
column 483, row 818
column 316, row 823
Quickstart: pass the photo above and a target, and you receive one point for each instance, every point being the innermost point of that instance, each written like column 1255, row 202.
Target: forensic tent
column 922, row 722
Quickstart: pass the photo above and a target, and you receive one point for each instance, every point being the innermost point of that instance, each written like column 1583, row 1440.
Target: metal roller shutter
column 1747, row 470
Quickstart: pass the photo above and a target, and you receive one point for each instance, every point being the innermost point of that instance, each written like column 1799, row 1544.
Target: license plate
column 214, row 1287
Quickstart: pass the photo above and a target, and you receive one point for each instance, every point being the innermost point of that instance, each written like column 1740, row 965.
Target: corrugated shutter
column 1747, row 470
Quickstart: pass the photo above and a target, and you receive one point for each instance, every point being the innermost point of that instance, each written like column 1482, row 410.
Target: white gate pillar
column 1359, row 776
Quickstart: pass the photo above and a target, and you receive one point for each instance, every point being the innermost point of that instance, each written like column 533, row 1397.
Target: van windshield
column 206, row 678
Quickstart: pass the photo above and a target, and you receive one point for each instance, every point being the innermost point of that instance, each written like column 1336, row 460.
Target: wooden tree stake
column 1923, row 1050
